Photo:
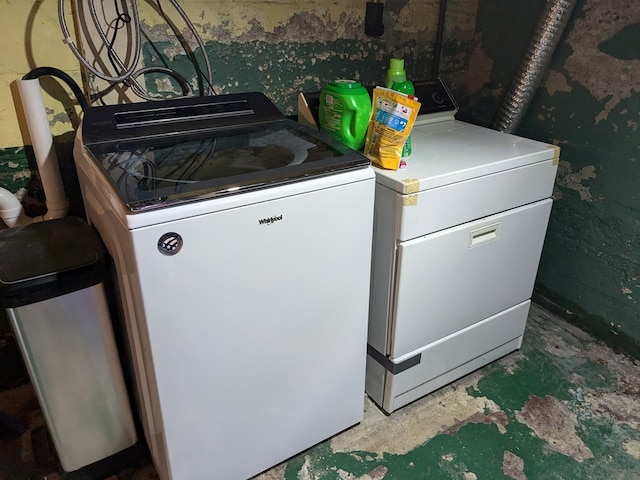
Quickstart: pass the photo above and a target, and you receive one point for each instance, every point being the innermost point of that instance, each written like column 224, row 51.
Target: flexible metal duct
column 534, row 65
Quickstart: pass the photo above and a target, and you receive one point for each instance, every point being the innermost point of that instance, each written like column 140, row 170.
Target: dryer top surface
column 452, row 151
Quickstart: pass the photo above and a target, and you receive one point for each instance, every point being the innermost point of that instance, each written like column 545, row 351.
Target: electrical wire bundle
column 127, row 73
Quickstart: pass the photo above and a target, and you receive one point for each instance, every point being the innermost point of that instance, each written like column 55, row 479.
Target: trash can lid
column 48, row 259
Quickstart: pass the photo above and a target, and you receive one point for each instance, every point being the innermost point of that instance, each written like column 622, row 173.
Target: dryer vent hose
column 534, row 65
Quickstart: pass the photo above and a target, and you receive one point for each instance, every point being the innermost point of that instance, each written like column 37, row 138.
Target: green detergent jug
column 344, row 112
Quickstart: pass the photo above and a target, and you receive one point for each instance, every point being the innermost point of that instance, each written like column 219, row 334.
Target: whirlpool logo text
column 270, row 220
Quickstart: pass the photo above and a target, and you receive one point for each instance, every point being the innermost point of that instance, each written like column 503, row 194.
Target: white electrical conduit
column 38, row 125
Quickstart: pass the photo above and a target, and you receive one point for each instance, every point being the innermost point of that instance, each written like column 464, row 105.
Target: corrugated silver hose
column 534, row 65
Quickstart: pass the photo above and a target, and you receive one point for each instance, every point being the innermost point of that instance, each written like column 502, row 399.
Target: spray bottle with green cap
column 396, row 79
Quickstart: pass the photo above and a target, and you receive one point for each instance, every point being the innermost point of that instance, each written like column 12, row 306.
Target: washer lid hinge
column 393, row 368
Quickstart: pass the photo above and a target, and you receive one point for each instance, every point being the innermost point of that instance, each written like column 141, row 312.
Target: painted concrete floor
column 563, row 407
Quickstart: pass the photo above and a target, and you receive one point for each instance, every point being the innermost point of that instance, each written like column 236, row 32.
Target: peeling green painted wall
column 279, row 47
column 589, row 105
column 14, row 168
column 282, row 48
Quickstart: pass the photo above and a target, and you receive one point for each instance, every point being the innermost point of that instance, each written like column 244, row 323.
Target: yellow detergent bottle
column 344, row 112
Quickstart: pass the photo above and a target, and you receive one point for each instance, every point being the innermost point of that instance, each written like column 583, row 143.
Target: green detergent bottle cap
column 346, row 84
column 396, row 64
column 396, row 72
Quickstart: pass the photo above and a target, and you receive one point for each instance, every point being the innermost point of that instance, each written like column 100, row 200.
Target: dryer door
column 454, row 278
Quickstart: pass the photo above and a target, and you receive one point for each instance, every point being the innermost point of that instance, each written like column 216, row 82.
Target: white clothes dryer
column 458, row 236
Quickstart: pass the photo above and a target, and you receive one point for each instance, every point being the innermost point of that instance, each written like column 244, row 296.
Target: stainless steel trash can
column 51, row 285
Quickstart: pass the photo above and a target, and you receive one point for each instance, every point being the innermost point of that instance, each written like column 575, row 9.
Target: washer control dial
column 170, row 243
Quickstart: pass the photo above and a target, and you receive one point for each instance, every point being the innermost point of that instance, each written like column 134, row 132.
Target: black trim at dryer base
column 394, row 368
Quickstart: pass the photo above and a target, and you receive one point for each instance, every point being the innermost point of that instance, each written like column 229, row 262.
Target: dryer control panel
column 435, row 98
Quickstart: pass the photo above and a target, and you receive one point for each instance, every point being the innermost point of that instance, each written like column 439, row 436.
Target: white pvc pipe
column 11, row 210
column 42, row 141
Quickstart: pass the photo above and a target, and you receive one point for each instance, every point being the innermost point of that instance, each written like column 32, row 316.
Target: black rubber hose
column 54, row 72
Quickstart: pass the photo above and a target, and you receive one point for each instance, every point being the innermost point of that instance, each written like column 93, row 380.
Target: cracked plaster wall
column 589, row 105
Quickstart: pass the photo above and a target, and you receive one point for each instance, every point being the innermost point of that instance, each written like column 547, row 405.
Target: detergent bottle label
column 333, row 112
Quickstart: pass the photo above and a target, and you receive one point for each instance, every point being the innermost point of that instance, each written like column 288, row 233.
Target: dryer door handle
column 480, row 236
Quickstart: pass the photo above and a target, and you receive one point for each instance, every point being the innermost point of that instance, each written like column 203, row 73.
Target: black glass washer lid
column 189, row 166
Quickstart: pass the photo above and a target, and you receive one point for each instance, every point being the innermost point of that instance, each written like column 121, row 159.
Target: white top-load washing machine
column 458, row 235
column 242, row 246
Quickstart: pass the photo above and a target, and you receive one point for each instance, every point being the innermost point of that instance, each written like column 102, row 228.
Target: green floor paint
column 536, row 371
column 553, row 423
column 476, row 451
column 564, row 407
